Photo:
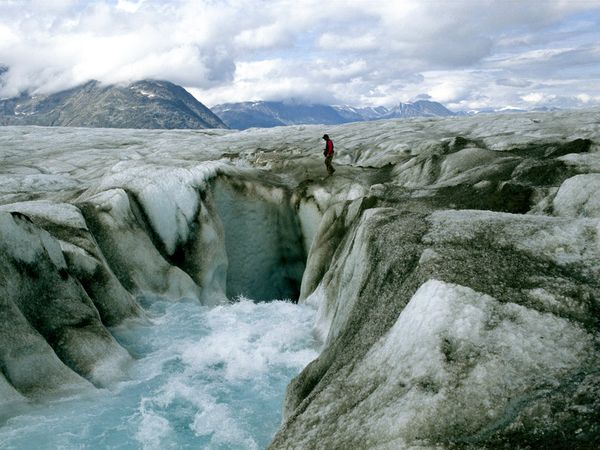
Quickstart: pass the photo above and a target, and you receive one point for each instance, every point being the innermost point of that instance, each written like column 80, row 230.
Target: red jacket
column 328, row 148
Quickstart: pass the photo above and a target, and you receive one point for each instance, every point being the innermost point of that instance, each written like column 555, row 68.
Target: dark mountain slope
column 142, row 104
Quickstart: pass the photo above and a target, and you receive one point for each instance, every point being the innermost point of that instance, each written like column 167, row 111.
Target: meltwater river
column 210, row 378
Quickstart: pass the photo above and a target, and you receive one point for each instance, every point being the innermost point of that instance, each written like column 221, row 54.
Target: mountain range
column 142, row 104
column 162, row 104
column 271, row 114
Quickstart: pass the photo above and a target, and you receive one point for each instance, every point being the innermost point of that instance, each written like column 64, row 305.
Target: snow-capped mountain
column 142, row 104
column 506, row 110
column 270, row 114
column 420, row 108
column 267, row 114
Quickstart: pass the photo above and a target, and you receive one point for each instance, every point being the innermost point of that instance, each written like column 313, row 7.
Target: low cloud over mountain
column 143, row 104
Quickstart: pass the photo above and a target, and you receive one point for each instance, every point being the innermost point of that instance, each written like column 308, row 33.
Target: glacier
column 452, row 267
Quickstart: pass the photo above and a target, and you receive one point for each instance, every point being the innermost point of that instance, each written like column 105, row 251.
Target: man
column 328, row 153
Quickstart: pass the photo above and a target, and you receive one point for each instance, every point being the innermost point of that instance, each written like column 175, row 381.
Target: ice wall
column 450, row 327
column 127, row 244
column 52, row 335
column 85, row 261
column 263, row 240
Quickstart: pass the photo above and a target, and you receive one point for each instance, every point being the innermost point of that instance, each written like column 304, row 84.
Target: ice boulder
column 50, row 325
column 579, row 196
column 169, row 197
column 84, row 259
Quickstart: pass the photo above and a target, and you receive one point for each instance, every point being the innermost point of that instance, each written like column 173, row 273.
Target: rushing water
column 203, row 378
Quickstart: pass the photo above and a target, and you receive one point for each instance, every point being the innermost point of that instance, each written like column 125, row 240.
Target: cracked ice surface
column 37, row 159
column 453, row 264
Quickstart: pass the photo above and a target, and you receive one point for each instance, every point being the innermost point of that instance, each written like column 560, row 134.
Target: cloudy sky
column 467, row 54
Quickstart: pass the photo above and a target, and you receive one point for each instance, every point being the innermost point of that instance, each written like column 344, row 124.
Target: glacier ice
column 452, row 365
column 454, row 346
column 262, row 240
column 83, row 257
column 128, row 246
column 453, row 265
column 45, row 307
column 579, row 196
column 528, row 283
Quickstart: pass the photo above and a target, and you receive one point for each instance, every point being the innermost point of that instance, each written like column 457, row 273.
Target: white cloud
column 446, row 92
column 344, row 71
column 8, row 38
column 513, row 82
column 465, row 53
column 331, row 41
column 129, row 6
column 534, row 97
column 268, row 36
column 584, row 98
column 51, row 5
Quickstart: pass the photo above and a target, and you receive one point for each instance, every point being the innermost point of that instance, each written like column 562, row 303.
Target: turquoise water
column 204, row 377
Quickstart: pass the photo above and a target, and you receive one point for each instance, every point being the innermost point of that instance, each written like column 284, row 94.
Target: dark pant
column 330, row 168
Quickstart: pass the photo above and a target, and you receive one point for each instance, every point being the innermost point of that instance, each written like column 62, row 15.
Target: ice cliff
column 454, row 265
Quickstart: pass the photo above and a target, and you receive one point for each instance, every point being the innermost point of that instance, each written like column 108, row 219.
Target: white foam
column 202, row 379
column 247, row 340
column 152, row 430
column 215, row 420
column 244, row 346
